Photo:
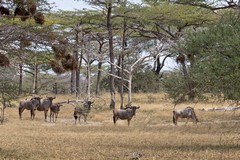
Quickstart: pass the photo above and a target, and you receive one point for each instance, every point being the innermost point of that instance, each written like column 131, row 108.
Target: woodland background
column 120, row 47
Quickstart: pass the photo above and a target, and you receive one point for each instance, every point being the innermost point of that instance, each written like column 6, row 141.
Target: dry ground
column 151, row 134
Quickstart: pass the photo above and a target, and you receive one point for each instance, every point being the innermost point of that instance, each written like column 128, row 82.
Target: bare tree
column 130, row 72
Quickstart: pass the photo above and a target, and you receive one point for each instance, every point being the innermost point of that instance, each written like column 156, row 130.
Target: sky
column 76, row 4
column 69, row 4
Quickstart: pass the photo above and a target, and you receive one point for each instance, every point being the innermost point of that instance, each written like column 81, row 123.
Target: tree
column 8, row 89
column 216, row 57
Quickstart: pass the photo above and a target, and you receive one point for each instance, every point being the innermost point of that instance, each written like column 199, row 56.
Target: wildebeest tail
column 174, row 119
column 114, row 117
column 195, row 116
column 19, row 111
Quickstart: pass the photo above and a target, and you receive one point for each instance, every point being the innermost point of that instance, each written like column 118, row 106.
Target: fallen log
column 229, row 108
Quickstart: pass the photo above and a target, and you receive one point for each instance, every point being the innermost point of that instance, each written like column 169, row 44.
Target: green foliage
column 216, row 57
column 8, row 87
column 174, row 85
column 146, row 81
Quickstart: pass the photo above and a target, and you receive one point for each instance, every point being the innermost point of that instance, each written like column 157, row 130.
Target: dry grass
column 151, row 134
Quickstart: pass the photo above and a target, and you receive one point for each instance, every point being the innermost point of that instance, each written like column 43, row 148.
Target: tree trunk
column 190, row 84
column 157, row 65
column 121, row 59
column 20, row 78
column 88, row 80
column 35, row 78
column 98, row 78
column 111, row 54
column 130, row 89
column 73, row 82
column 120, row 74
column 79, row 63
column 99, row 69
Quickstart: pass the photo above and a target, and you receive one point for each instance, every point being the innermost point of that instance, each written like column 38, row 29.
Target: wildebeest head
column 134, row 108
column 88, row 104
column 36, row 101
column 50, row 98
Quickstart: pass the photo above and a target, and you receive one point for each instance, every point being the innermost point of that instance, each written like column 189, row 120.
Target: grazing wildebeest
column 45, row 106
column 31, row 105
column 54, row 110
column 124, row 114
column 79, row 111
column 187, row 112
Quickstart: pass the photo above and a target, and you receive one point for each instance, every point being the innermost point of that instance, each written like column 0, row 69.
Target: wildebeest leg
column 85, row 117
column 75, row 117
column 20, row 112
column 114, row 120
column 174, row 120
column 56, row 115
column 187, row 121
column 32, row 114
column 129, row 121
column 51, row 116
column 45, row 115
column 79, row 117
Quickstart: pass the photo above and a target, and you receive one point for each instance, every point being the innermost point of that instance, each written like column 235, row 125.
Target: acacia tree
column 171, row 21
column 216, row 57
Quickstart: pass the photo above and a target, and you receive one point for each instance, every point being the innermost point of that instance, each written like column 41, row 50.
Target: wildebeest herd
column 46, row 104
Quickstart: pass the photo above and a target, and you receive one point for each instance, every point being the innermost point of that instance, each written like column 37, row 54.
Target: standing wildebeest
column 79, row 111
column 45, row 106
column 124, row 114
column 187, row 112
column 54, row 110
column 31, row 105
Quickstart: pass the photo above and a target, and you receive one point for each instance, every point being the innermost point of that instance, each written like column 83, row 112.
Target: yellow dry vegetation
column 150, row 136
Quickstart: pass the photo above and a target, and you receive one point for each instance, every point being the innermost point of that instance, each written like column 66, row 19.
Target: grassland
column 151, row 134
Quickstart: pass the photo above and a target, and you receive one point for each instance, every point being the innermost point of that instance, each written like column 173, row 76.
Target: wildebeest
column 82, row 111
column 124, row 114
column 31, row 105
column 45, row 106
column 54, row 110
column 187, row 112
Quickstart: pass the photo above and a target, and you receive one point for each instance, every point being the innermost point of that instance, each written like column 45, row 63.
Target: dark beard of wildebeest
column 79, row 111
column 124, row 114
column 187, row 112
column 45, row 106
column 31, row 105
column 54, row 110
